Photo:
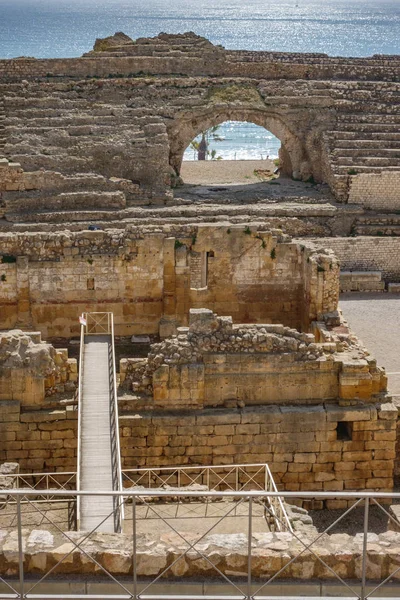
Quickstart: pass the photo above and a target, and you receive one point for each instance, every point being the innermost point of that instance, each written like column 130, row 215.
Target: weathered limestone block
column 216, row 363
column 271, row 552
column 30, row 368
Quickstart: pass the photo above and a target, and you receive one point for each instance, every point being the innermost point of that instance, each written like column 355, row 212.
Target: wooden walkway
column 96, row 473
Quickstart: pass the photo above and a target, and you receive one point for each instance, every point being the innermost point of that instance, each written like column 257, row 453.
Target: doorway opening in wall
column 232, row 153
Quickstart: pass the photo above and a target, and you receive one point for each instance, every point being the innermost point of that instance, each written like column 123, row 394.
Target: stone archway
column 188, row 125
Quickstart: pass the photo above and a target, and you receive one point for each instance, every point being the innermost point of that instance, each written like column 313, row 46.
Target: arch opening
column 232, row 152
column 185, row 129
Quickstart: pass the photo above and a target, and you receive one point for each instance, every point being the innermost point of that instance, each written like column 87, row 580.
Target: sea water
column 68, row 28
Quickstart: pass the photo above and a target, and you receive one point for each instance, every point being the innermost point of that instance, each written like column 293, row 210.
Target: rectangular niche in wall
column 344, row 430
column 198, row 270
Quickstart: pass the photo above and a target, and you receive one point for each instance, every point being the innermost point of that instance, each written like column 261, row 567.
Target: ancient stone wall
column 213, row 363
column 278, row 555
column 376, row 191
column 143, row 276
column 130, row 113
column 39, row 440
column 32, row 370
column 303, row 445
column 367, row 254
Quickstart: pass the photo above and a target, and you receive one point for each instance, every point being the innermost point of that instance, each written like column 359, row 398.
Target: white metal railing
column 79, row 445
column 140, row 574
column 237, row 478
column 115, row 443
column 102, row 324
column 98, row 323
column 42, row 484
column 215, row 478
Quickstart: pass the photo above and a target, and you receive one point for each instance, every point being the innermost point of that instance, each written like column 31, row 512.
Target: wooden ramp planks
column 96, row 473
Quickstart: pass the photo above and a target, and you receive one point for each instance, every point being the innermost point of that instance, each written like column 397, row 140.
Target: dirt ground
column 226, row 171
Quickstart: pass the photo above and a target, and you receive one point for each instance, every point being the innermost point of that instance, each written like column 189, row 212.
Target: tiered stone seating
column 366, row 138
column 377, row 225
column 2, row 129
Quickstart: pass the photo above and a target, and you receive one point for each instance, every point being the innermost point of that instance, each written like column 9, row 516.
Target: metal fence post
column 249, row 540
column 365, row 548
column 20, row 549
column 134, row 542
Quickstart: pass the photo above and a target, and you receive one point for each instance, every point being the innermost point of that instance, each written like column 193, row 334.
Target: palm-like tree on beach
column 201, row 147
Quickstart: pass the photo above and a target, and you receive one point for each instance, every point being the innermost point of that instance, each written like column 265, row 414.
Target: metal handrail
column 115, row 443
column 275, row 503
column 102, row 323
column 302, row 544
column 79, row 449
column 98, row 323
column 275, row 508
column 153, row 475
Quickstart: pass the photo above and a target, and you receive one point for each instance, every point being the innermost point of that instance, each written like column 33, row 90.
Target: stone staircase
column 366, row 138
column 36, row 207
column 377, row 225
column 84, row 209
column 63, row 134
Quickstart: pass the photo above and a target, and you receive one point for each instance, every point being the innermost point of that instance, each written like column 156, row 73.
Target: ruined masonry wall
column 376, row 191
column 367, row 254
column 299, row 443
column 331, row 556
column 144, row 276
column 32, row 370
column 269, row 66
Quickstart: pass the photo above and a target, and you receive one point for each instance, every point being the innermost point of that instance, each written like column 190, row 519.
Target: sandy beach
column 226, row 172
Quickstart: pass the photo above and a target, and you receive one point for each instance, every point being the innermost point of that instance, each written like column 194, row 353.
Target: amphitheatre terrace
column 207, row 318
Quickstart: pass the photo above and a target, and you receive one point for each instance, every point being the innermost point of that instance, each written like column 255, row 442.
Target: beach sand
column 226, row 172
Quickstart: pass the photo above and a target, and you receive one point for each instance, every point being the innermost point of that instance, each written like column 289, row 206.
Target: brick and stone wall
column 367, row 253
column 304, row 446
column 144, row 276
column 38, row 440
column 115, row 119
column 376, row 191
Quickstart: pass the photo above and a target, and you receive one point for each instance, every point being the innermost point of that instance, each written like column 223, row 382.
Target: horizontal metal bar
column 283, row 597
column 75, row 597
column 193, row 467
column 187, row 597
column 127, row 493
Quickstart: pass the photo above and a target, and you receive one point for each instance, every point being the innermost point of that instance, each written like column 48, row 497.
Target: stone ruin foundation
column 251, row 360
